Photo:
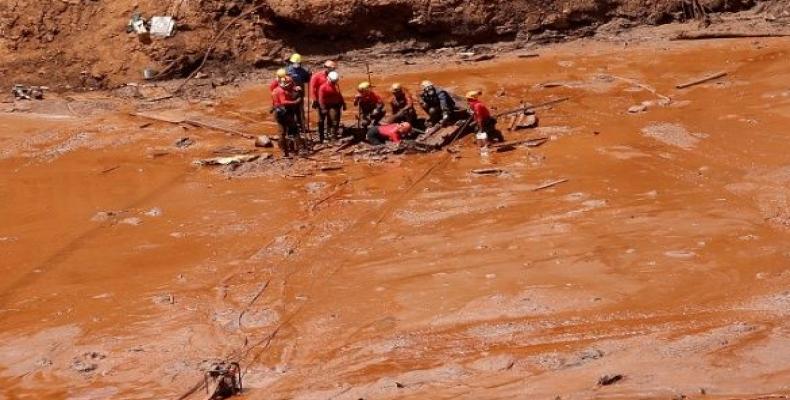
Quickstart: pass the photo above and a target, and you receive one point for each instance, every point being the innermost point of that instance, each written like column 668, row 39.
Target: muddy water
column 663, row 257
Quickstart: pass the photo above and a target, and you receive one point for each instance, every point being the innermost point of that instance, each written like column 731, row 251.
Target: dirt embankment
column 83, row 43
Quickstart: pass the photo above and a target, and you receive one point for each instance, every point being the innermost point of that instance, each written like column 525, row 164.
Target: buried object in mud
column 237, row 159
column 223, row 380
column 607, row 380
column 704, row 79
column 487, row 171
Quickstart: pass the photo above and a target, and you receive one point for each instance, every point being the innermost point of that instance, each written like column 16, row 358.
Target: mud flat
column 663, row 257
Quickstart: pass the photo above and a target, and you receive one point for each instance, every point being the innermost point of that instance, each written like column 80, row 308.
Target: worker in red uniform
column 370, row 105
column 316, row 81
column 402, row 105
column 378, row 135
column 287, row 102
column 484, row 122
column 275, row 83
column 331, row 103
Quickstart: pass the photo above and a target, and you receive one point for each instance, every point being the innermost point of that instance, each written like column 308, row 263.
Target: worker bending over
column 484, row 122
column 378, row 135
column 316, row 81
column 402, row 105
column 331, row 103
column 287, row 102
column 438, row 104
column 371, row 107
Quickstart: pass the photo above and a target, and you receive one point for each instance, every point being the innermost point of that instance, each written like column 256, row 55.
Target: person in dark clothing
column 438, row 104
column 378, row 135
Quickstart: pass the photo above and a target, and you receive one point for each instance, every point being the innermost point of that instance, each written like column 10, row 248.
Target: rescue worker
column 286, row 105
column 301, row 78
column 402, row 105
column 331, row 103
column 280, row 74
column 484, row 122
column 370, row 104
column 438, row 104
column 316, row 81
column 378, row 135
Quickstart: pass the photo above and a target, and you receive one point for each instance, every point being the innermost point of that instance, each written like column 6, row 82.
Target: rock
column 103, row 216
column 639, row 108
column 134, row 221
column 263, row 141
column 184, row 142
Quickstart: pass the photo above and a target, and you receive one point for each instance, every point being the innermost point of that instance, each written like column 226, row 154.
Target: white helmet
column 333, row 76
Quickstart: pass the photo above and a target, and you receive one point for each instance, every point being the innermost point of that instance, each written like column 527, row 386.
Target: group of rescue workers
column 289, row 90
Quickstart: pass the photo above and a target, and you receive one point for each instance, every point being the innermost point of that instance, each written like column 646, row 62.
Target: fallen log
column 701, row 80
column 726, row 35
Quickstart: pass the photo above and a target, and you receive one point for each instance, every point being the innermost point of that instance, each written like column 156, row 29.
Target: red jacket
column 329, row 95
column 316, row 81
column 274, row 84
column 401, row 100
column 390, row 131
column 368, row 100
column 283, row 97
column 480, row 110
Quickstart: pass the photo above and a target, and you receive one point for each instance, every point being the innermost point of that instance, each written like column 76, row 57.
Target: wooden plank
column 727, row 35
column 702, row 80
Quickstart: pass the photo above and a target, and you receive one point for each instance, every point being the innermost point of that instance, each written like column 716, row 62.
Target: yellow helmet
column 364, row 86
column 473, row 94
column 281, row 73
column 396, row 87
column 295, row 58
column 426, row 84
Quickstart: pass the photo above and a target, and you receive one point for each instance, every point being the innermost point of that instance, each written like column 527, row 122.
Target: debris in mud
column 162, row 26
column 549, row 184
column 487, row 171
column 154, row 212
column 184, row 142
column 223, row 379
column 133, row 221
column 263, row 141
column 636, row 109
column 28, row 92
column 704, row 79
column 103, row 216
column 607, row 380
column 237, row 159
column 87, row 362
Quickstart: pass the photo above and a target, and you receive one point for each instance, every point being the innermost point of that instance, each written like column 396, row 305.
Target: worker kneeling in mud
column 402, row 105
column 287, row 103
column 438, row 104
column 371, row 107
column 484, row 123
column 378, row 135
column 331, row 103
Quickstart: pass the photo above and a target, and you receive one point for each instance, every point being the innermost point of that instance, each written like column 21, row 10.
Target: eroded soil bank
column 664, row 257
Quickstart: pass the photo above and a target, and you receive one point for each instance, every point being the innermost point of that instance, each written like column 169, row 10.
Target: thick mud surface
column 664, row 257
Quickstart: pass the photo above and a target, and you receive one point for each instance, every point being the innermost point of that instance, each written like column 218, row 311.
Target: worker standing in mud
column 438, row 104
column 280, row 74
column 301, row 77
column 402, row 105
column 287, row 103
column 484, row 123
column 316, row 81
column 378, row 135
column 331, row 104
column 370, row 104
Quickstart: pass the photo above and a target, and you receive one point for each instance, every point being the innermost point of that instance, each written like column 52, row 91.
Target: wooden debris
column 237, row 159
column 484, row 57
column 512, row 122
column 702, row 80
column 528, row 55
column 108, row 170
column 334, row 167
column 487, row 171
column 726, row 35
column 666, row 99
column 549, row 184
column 607, row 380
column 527, row 121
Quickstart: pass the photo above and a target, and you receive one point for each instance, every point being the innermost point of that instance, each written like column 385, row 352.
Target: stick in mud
column 550, row 184
column 702, row 80
column 726, row 35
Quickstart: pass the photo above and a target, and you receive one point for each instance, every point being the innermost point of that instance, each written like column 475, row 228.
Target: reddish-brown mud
column 664, row 257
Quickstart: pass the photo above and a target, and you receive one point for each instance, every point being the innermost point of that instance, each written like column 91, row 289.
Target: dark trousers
column 333, row 114
column 322, row 122
column 373, row 136
column 489, row 127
